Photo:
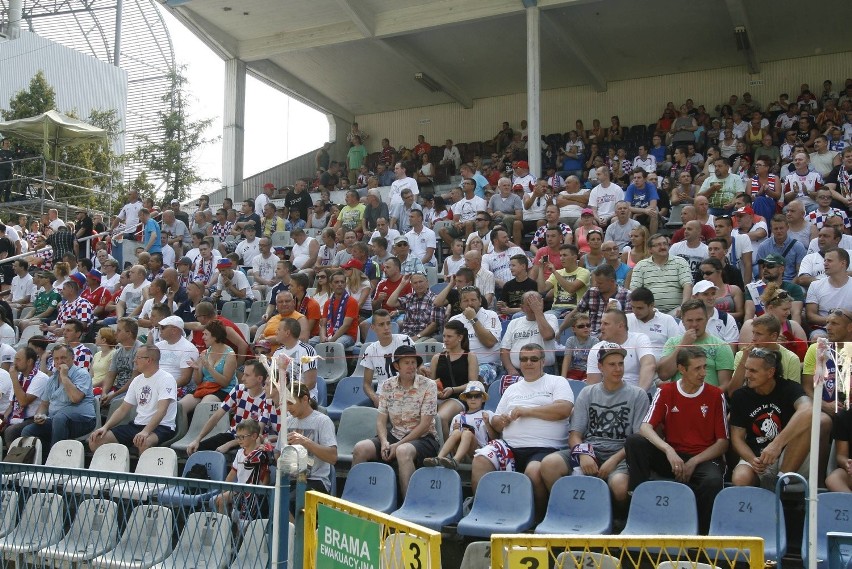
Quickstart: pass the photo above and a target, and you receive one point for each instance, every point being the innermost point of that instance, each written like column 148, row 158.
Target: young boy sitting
column 251, row 466
column 469, row 430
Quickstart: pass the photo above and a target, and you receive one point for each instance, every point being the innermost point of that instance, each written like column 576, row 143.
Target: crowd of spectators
column 696, row 345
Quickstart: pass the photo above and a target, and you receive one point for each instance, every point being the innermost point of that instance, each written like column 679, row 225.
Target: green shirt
column 356, row 156
column 46, row 299
column 561, row 297
column 719, row 356
column 790, row 364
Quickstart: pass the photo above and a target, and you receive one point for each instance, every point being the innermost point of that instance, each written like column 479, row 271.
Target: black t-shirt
column 87, row 225
column 513, row 291
column 764, row 416
column 843, row 426
column 6, row 157
column 301, row 201
column 329, row 180
column 454, row 300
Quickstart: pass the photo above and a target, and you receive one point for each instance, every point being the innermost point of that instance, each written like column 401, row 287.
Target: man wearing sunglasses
column 782, row 244
column 833, row 291
column 770, row 423
column 772, row 269
column 765, row 331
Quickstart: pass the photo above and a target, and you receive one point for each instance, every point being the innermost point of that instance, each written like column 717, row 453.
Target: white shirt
column 240, row 281
column 129, row 214
column 649, row 164
column 527, row 182
column 146, row 392
column 845, row 243
column 693, row 256
column 658, row 329
column 23, row 288
column 487, row 247
column 605, row 198
column 168, row 253
column 260, row 203
column 149, row 305
column 6, row 391
column 813, row 264
column 36, row 387
column 56, row 224
column 491, row 322
column 828, row 297
column 536, row 210
column 174, row 358
column 264, row 267
column 739, row 244
column 301, row 254
column 110, row 283
column 391, row 235
column 573, row 209
column 380, row 358
column 420, row 242
column 132, row 296
column 530, row 431
column 466, row 209
column 522, row 331
column 295, row 354
column 637, row 346
column 395, row 195
column 248, row 250
column 498, row 263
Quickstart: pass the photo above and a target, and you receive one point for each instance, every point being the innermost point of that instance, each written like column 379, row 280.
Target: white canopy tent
column 54, row 130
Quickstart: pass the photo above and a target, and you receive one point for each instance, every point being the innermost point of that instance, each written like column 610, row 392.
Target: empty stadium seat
column 477, row 555
column 214, row 461
column 356, row 424
column 428, row 349
column 202, row 413
column 111, row 457
column 254, row 551
column 8, row 511
column 235, row 311
column 834, row 514
column 373, row 485
column 181, row 427
column 578, row 505
column 93, row 532
column 349, row 392
column 332, row 362
column 258, row 308
column 576, row 386
column 40, row 526
column 145, row 541
column 662, row 507
column 65, row 454
column 281, row 239
column 586, row 559
column 434, row 498
column 245, row 330
column 503, row 504
column 204, row 542
column 494, row 396
column 155, row 461
column 744, row 510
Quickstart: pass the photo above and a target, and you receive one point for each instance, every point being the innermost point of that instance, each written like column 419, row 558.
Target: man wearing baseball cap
column 719, row 323
column 692, row 416
column 522, row 180
column 98, row 295
column 604, row 415
column 771, row 270
column 408, row 402
column 231, row 284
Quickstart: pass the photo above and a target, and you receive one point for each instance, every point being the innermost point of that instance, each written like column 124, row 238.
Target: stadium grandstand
column 627, row 308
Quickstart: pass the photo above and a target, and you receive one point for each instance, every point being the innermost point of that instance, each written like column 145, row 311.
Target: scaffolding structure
column 130, row 34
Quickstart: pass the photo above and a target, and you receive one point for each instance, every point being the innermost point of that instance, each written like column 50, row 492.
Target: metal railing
column 63, row 517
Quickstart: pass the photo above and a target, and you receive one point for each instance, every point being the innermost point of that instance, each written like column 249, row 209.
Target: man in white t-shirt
column 177, row 354
column 604, row 196
column 812, row 267
column 130, row 300
column 826, row 294
column 639, row 363
column 497, row 260
column 645, row 319
column 377, row 358
column 534, row 327
column 572, row 200
column 484, row 331
column 154, row 394
column 522, row 180
column 401, row 181
column 305, row 250
column 28, row 384
column 691, row 248
column 249, row 248
column 421, row 239
column 739, row 247
column 263, row 267
column 465, row 208
column 261, row 200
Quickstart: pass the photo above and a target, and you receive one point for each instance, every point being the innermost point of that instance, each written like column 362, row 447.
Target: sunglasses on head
column 840, row 312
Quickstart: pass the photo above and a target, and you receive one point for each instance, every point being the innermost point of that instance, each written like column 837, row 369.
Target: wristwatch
column 474, row 320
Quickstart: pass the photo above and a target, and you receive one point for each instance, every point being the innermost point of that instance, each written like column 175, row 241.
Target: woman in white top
column 323, row 287
column 426, row 172
column 727, row 144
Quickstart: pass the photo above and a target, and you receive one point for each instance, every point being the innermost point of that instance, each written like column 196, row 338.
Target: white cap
column 702, row 286
column 172, row 321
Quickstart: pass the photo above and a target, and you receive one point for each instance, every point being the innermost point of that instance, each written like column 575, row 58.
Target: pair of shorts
column 574, row 464
column 503, row 457
column 125, row 433
column 426, row 447
column 770, row 475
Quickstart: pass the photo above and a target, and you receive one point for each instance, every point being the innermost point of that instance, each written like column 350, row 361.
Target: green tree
column 170, row 155
column 38, row 99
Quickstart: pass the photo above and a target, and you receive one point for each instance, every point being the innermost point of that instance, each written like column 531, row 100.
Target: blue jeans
column 62, row 425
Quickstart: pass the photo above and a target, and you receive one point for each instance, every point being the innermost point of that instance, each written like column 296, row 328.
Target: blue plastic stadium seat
column 348, row 393
column 662, row 507
column 578, row 505
column 576, row 386
column 434, row 498
column 214, row 461
column 834, row 514
column 373, row 485
column 744, row 510
column 494, row 396
column 503, row 504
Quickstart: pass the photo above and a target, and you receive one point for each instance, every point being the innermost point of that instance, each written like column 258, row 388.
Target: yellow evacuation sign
column 346, row 542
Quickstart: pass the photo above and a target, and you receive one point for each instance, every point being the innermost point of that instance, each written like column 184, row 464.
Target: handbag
column 23, row 453
column 206, row 388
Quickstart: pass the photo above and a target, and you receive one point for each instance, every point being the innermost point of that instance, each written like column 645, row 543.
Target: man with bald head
column 687, row 214
column 484, row 279
column 177, row 231
column 692, row 249
column 285, row 307
column 506, row 207
column 571, row 201
column 702, row 211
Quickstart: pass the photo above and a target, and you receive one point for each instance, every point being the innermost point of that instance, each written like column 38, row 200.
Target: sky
column 277, row 128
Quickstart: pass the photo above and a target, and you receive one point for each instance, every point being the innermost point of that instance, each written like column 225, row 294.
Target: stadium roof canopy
column 351, row 57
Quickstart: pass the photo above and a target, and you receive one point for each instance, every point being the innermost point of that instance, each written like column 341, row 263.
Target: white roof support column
column 533, row 87
column 233, row 135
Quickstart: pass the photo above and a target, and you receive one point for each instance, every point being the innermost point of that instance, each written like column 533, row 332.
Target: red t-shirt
column 691, row 423
column 311, row 309
column 198, row 340
column 552, row 256
column 350, row 311
column 387, row 286
column 98, row 297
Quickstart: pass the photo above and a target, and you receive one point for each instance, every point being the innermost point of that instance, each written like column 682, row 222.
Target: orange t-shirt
column 350, row 311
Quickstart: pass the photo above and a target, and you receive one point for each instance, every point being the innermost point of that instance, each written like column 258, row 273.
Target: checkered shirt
column 80, row 308
column 593, row 303
column 82, row 359
column 818, row 218
column 419, row 313
column 222, row 231
column 539, row 239
column 241, row 405
column 47, row 255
